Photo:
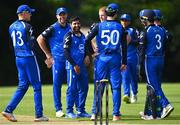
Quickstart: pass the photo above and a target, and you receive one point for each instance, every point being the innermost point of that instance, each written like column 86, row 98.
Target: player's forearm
column 124, row 53
column 68, row 57
column 42, row 44
column 128, row 38
column 88, row 49
column 92, row 33
column 124, row 48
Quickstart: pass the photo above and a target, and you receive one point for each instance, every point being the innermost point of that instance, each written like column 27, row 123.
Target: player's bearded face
column 76, row 26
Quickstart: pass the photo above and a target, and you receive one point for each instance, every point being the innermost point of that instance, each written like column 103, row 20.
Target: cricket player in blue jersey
column 157, row 21
column 130, row 75
column 53, row 36
column 112, row 49
column 154, row 40
column 167, row 109
column 21, row 33
column 102, row 17
column 77, row 78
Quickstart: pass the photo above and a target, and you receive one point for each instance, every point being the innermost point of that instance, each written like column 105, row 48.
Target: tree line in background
column 88, row 12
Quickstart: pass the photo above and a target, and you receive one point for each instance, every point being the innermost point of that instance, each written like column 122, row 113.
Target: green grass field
column 25, row 110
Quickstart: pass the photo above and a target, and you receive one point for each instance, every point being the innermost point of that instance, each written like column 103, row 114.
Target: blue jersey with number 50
column 21, row 34
column 109, row 36
column 155, row 40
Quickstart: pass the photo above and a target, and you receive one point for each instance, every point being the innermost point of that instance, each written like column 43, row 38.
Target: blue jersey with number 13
column 21, row 34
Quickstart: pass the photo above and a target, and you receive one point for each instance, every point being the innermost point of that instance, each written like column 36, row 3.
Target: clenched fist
column 77, row 69
column 49, row 62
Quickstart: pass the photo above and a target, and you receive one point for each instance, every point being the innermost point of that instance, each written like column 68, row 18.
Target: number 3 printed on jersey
column 158, row 38
column 17, row 38
column 110, row 37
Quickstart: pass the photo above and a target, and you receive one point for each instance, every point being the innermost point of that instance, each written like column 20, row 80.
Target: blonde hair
column 103, row 8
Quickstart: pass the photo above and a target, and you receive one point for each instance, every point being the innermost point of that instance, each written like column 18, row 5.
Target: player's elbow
column 40, row 39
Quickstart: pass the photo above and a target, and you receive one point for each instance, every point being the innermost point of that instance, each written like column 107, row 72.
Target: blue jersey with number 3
column 155, row 41
column 21, row 34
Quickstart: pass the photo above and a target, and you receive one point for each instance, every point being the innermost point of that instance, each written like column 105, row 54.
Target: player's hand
column 87, row 61
column 123, row 67
column 49, row 62
column 128, row 39
column 95, row 52
column 95, row 48
column 77, row 69
column 94, row 55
